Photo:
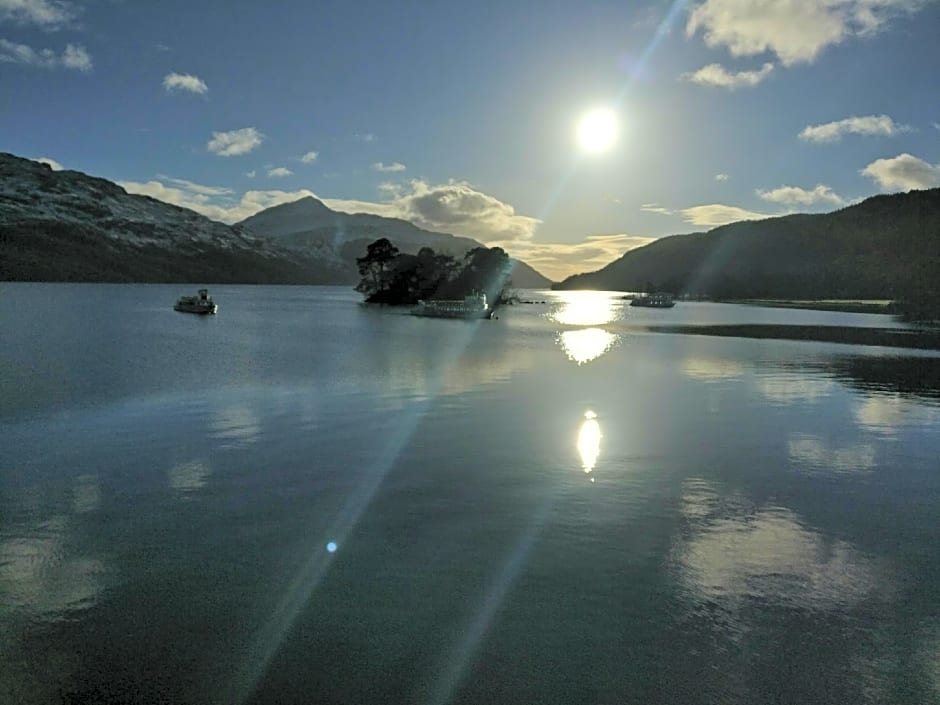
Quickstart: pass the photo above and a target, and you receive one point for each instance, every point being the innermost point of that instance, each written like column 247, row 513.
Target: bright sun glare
column 597, row 131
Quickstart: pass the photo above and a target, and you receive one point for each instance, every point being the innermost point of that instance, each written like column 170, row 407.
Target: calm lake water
column 303, row 500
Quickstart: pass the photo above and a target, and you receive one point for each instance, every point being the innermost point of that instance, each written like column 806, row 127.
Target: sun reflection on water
column 589, row 441
column 588, row 344
column 585, row 308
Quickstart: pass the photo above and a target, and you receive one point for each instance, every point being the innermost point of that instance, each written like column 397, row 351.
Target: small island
column 435, row 284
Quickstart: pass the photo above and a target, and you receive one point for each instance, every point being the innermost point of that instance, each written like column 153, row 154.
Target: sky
column 464, row 117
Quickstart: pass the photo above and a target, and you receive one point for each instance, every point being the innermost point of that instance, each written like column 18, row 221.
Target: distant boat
column 473, row 306
column 654, row 301
column 202, row 303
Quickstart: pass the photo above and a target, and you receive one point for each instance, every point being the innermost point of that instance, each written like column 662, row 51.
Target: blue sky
column 462, row 116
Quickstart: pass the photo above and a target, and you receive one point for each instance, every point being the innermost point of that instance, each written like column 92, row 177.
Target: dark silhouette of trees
column 374, row 266
column 391, row 277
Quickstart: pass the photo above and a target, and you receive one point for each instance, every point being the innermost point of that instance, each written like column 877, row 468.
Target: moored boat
column 660, row 300
column 201, row 303
column 473, row 306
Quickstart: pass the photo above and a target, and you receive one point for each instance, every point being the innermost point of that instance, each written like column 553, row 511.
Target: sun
column 597, row 131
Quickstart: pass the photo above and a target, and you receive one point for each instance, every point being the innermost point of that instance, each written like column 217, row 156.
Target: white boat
column 202, row 303
column 654, row 301
column 473, row 306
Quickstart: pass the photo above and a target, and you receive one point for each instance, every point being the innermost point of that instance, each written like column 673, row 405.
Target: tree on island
column 374, row 266
column 396, row 278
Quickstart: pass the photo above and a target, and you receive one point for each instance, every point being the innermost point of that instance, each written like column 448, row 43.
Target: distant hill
column 68, row 226
column 886, row 247
column 310, row 226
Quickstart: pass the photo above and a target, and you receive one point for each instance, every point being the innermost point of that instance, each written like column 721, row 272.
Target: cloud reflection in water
column 733, row 551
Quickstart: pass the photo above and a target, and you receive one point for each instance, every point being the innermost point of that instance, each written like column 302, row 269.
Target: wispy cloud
column 794, row 195
column 184, row 82
column 279, row 172
column 715, row 214
column 558, row 261
column 197, row 188
column 223, row 208
column 366, row 137
column 235, row 142
column 251, row 174
column 718, row 75
column 309, row 157
column 46, row 14
column 721, row 177
column 903, row 173
column 656, row 208
column 74, row 56
column 796, row 32
column 394, row 166
column 867, row 125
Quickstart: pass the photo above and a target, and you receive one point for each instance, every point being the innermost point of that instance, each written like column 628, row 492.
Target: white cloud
column 201, row 199
column 394, row 166
column 51, row 163
column 76, row 57
column 936, row 125
column 796, row 30
column 903, row 172
column 199, row 188
column 251, row 174
column 868, row 125
column 73, row 57
column 656, row 208
column 235, row 142
column 718, row 75
column 455, row 207
column 309, row 157
column 721, row 177
column 184, row 82
column 279, row 172
column 794, row 195
column 367, row 137
column 458, row 208
column 47, row 14
column 715, row 214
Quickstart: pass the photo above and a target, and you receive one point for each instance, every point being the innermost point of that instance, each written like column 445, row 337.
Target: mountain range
column 885, row 247
column 308, row 226
column 69, row 226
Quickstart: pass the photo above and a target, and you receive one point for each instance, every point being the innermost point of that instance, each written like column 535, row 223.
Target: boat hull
column 199, row 310
column 671, row 304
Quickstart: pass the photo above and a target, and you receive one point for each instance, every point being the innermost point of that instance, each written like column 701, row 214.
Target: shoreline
column 882, row 306
column 846, row 335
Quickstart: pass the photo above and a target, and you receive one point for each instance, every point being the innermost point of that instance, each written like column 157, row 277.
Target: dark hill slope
column 884, row 247
column 68, row 226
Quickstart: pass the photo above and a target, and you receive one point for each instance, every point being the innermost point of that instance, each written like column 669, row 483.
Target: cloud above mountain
column 903, row 173
column 794, row 195
column 715, row 214
column 558, row 261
